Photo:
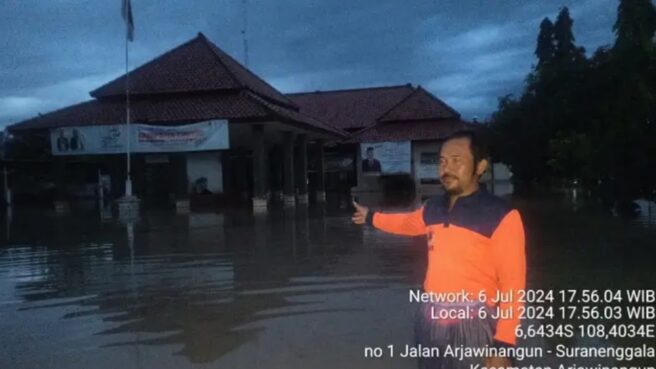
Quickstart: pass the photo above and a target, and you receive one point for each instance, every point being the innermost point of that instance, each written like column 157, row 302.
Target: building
column 263, row 139
column 204, row 129
column 402, row 126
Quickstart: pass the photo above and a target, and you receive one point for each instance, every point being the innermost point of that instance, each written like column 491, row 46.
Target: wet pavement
column 299, row 288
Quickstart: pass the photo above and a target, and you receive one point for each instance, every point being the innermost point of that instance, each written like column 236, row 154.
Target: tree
column 545, row 48
column 634, row 28
column 566, row 51
column 629, row 130
column 589, row 119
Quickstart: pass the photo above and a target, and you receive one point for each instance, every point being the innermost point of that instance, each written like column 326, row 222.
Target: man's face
column 370, row 154
column 457, row 166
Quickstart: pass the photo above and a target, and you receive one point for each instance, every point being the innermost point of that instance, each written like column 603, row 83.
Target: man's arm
column 510, row 261
column 405, row 224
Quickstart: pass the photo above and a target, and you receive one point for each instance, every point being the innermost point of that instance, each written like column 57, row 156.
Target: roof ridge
column 212, row 48
column 351, row 89
column 451, row 109
column 220, row 54
column 266, row 104
column 363, row 130
column 417, row 90
column 93, row 92
column 414, row 91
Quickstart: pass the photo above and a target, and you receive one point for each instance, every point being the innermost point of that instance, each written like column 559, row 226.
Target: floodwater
column 300, row 288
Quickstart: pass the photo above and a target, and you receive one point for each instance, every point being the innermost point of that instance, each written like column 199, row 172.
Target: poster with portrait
column 111, row 139
column 390, row 157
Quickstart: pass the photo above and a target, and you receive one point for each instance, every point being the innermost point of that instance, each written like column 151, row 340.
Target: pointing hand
column 360, row 215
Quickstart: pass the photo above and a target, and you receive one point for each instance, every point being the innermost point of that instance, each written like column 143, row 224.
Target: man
column 77, row 141
column 62, row 142
column 370, row 164
column 475, row 244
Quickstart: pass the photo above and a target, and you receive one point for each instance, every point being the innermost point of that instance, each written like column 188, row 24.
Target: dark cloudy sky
column 467, row 52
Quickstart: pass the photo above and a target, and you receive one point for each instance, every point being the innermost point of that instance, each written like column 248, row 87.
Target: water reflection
column 199, row 285
column 292, row 288
column 8, row 216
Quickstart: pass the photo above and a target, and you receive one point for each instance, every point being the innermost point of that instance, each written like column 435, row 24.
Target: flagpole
column 128, row 180
column 128, row 206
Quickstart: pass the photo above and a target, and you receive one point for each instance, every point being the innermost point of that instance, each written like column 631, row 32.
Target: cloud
column 49, row 98
column 310, row 81
column 478, row 64
column 19, row 105
column 467, row 52
column 476, row 94
column 481, row 37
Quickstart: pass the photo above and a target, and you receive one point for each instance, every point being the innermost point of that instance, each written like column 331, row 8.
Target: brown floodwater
column 300, row 288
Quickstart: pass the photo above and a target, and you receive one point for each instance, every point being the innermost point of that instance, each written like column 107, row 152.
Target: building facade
column 265, row 140
column 205, row 130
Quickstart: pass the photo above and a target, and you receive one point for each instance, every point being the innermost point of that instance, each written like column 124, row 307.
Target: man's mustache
column 448, row 176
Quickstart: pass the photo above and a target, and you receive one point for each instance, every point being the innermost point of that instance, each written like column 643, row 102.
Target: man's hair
column 477, row 144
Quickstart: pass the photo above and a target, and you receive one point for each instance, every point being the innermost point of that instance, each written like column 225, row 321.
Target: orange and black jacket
column 476, row 246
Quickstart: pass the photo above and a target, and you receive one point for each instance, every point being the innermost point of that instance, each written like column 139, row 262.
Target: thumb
column 357, row 206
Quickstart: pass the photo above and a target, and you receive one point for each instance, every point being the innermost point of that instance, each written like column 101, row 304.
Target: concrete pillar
column 60, row 204
column 288, row 186
column 276, row 172
column 6, row 191
column 128, row 206
column 320, row 195
column 241, row 165
column 138, row 175
column 226, row 175
column 301, row 168
column 260, row 180
column 116, row 168
column 289, row 229
column 358, row 165
column 180, row 182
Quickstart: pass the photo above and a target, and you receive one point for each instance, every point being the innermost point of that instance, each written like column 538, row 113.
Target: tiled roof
column 195, row 66
column 197, row 81
column 412, row 130
column 174, row 109
column 351, row 109
column 298, row 117
column 160, row 110
column 418, row 106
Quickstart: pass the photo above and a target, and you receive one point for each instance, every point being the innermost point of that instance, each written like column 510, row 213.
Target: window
column 428, row 168
column 428, row 158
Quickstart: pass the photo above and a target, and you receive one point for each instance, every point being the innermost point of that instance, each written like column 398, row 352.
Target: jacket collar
column 472, row 199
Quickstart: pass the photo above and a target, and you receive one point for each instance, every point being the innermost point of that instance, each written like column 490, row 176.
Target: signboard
column 386, row 157
column 111, row 139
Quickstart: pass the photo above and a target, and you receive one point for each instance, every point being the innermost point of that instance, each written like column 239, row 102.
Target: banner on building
column 110, row 139
column 386, row 157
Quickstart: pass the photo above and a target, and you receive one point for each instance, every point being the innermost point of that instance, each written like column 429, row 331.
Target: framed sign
column 386, row 157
